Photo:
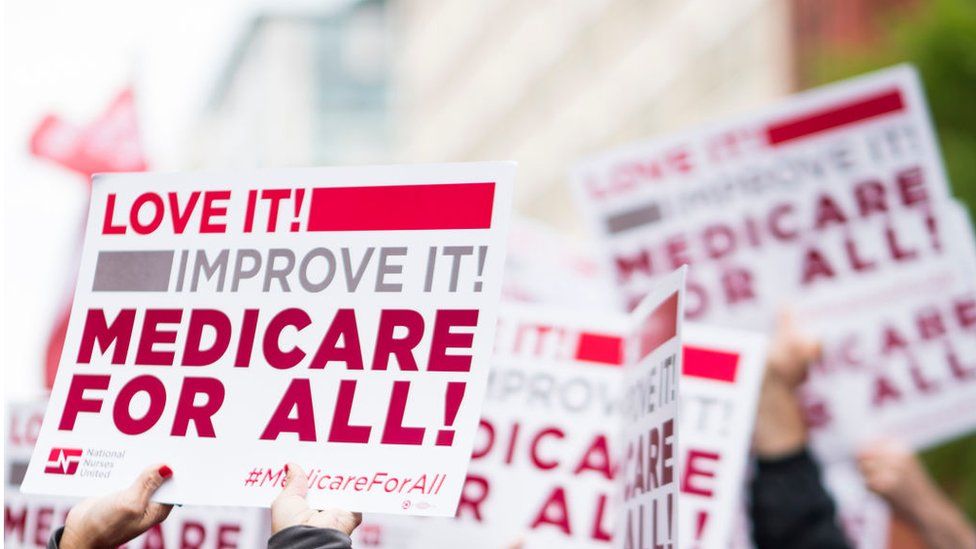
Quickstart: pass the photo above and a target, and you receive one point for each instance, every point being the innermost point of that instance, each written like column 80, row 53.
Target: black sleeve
column 791, row 508
column 55, row 540
column 309, row 537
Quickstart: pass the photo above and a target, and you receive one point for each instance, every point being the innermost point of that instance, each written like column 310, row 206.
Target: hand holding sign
column 893, row 472
column 290, row 508
column 115, row 519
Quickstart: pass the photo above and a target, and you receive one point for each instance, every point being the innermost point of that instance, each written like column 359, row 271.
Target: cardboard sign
column 30, row 519
column 649, row 468
column 833, row 186
column 225, row 324
column 720, row 381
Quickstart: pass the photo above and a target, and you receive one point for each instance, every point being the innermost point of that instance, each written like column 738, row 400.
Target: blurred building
column 302, row 86
column 542, row 82
column 548, row 81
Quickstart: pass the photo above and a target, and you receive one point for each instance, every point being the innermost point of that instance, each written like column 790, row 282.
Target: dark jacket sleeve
column 55, row 540
column 309, row 537
column 791, row 508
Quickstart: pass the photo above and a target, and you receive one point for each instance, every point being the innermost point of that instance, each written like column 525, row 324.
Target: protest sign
column 722, row 370
column 897, row 355
column 224, row 324
column 31, row 519
column 897, row 364
column 827, row 188
column 543, row 463
column 649, row 438
column 543, row 267
column 834, row 202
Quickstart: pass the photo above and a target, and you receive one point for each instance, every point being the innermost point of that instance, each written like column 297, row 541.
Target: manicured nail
column 165, row 471
column 286, row 468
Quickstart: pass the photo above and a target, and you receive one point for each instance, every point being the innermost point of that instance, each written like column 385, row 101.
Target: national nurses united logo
column 63, row 461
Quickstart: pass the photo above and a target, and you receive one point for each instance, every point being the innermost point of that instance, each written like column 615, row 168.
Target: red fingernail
column 165, row 471
column 286, row 468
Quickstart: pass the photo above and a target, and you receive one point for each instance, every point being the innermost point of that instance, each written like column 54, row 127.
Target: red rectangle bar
column 834, row 117
column 402, row 207
column 604, row 349
column 659, row 326
column 710, row 364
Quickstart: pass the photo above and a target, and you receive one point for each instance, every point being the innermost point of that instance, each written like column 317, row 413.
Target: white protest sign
column 722, row 370
column 962, row 238
column 899, row 364
column 31, row 519
column 544, row 267
column 827, row 188
column 543, row 463
column 649, row 438
column 224, row 324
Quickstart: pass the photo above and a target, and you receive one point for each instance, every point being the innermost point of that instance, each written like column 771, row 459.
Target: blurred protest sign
column 31, row 519
column 835, row 202
column 832, row 186
column 649, row 468
column 543, row 461
column 227, row 323
column 722, row 370
column 898, row 363
column 544, row 267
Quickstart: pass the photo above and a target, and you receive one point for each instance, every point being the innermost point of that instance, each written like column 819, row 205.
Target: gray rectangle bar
column 142, row 271
column 630, row 219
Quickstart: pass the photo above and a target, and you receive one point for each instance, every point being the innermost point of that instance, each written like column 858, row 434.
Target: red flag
column 110, row 143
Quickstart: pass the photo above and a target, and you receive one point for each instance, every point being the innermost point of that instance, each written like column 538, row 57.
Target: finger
column 296, row 483
column 155, row 513
column 149, row 481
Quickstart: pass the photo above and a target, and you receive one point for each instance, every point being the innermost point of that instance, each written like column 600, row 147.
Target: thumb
column 155, row 513
column 149, row 481
column 296, row 483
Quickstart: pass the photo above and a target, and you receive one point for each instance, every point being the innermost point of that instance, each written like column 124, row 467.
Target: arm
column 896, row 475
column 789, row 507
column 294, row 525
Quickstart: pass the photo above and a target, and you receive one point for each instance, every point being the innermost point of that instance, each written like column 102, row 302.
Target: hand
column 894, row 473
column 790, row 353
column 780, row 428
column 291, row 509
column 115, row 519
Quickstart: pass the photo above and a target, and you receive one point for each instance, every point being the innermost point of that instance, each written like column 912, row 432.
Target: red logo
column 63, row 461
